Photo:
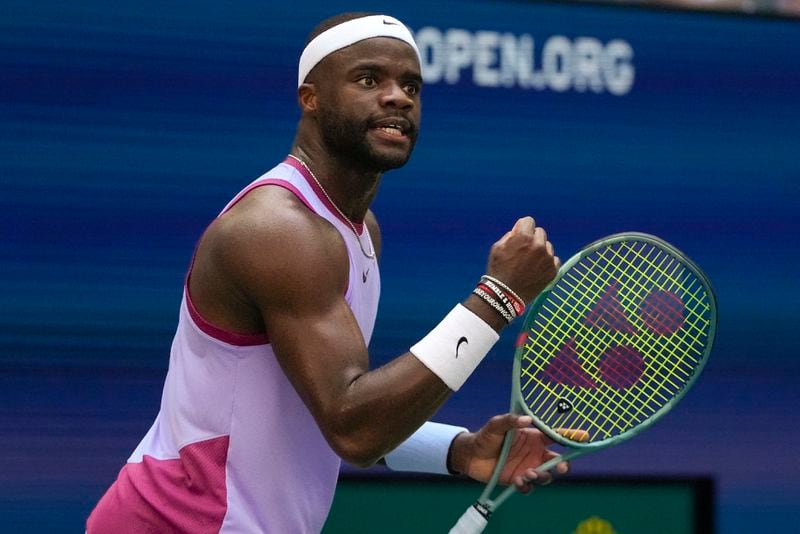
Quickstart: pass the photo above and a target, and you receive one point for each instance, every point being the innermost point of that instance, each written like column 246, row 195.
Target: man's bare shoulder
column 271, row 238
column 272, row 212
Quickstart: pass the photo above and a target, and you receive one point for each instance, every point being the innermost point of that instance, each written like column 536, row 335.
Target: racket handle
column 471, row 522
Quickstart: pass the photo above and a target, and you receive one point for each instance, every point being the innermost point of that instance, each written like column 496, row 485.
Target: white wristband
column 425, row 451
column 456, row 346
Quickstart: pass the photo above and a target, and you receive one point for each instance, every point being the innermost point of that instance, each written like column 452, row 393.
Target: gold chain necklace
column 370, row 255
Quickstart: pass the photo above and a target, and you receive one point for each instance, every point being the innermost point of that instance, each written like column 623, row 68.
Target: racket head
column 614, row 342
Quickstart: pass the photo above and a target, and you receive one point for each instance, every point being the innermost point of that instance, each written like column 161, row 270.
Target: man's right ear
column 307, row 97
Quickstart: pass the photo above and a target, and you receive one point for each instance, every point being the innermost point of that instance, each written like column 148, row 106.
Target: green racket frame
column 577, row 448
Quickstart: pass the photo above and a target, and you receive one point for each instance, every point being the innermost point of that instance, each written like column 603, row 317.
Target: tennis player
column 269, row 385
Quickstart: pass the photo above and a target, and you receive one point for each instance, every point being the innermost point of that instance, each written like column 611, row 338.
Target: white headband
column 348, row 33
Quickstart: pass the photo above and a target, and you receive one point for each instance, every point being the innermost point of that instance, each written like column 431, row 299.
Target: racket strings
column 659, row 331
column 590, row 340
column 633, row 358
column 625, row 329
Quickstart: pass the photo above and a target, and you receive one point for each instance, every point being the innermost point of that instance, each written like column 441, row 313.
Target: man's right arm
column 292, row 268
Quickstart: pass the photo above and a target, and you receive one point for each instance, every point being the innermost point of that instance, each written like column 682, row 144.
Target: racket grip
column 471, row 522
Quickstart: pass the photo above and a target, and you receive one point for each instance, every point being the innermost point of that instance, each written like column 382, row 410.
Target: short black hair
column 335, row 20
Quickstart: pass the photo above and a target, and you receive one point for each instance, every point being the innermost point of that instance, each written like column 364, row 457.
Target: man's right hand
column 524, row 259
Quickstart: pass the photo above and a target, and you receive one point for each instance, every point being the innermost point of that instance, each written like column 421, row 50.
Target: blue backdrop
column 126, row 127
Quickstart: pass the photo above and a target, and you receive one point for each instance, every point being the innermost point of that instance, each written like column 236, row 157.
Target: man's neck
column 350, row 188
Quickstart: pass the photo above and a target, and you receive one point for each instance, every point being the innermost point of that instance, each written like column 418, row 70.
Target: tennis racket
column 606, row 350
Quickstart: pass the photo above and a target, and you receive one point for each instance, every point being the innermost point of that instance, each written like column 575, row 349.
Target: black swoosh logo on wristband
column 460, row 341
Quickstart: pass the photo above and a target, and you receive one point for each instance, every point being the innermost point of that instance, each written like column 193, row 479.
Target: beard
column 346, row 139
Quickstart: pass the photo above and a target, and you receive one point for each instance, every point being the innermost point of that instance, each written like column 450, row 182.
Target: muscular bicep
column 294, row 269
column 322, row 351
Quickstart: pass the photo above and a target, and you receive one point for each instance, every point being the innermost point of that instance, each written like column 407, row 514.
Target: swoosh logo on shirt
column 389, row 23
column 364, row 276
column 461, row 340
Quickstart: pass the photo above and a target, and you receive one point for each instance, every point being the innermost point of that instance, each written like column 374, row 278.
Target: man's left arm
column 438, row 448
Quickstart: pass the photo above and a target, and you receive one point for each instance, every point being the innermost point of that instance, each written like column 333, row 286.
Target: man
column 269, row 383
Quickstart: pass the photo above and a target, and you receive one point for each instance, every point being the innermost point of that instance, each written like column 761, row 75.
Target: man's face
column 369, row 103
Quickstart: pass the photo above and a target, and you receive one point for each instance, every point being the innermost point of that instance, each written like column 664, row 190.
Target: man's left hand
column 475, row 454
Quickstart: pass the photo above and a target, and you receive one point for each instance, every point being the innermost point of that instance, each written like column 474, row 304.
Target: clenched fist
column 524, row 259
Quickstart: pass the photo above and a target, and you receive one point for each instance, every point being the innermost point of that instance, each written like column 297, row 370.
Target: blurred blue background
column 127, row 126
